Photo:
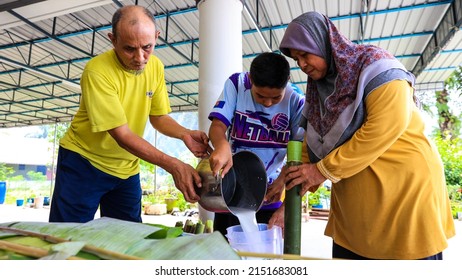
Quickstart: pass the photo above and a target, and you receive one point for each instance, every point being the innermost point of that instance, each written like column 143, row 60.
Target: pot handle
column 209, row 149
column 218, row 177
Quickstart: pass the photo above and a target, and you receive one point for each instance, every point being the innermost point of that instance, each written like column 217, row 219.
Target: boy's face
column 267, row 96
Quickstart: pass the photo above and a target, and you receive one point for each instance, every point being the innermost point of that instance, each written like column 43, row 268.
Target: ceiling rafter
column 47, row 34
column 447, row 28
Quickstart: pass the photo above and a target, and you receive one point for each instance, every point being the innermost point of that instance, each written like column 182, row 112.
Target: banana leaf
column 165, row 232
column 128, row 238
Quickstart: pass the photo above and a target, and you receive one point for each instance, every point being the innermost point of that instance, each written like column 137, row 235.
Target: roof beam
column 257, row 27
column 44, row 74
column 36, row 27
column 448, row 26
column 10, row 5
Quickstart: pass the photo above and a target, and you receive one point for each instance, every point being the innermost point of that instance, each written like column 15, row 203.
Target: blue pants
column 80, row 189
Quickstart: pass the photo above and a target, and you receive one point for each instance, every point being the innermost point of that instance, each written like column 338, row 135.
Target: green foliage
column 160, row 195
column 16, row 178
column 449, row 112
column 36, row 176
column 448, row 122
column 455, row 209
column 455, row 193
column 152, row 199
column 57, row 131
column 148, row 175
column 316, row 197
column 454, row 82
column 165, row 232
column 5, row 171
column 451, row 154
column 182, row 203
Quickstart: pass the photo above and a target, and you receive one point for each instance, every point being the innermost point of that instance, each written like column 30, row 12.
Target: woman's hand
column 307, row 175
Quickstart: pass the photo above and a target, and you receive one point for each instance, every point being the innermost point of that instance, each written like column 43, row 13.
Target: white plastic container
column 266, row 241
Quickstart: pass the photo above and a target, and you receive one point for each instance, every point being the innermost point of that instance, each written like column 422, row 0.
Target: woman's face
column 312, row 65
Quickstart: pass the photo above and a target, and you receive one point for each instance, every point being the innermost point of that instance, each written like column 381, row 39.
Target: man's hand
column 197, row 142
column 186, row 178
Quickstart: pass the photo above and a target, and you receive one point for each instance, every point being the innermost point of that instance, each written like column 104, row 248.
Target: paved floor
column 314, row 243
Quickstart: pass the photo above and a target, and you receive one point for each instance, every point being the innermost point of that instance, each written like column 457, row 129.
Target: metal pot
column 243, row 187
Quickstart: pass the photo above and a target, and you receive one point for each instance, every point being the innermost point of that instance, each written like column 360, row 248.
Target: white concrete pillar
column 220, row 55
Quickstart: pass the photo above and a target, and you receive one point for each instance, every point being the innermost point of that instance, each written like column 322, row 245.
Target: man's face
column 267, row 96
column 134, row 44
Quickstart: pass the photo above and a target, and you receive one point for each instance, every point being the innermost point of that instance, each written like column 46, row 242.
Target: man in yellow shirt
column 98, row 161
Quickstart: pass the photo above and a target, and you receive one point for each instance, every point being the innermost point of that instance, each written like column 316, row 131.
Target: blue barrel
column 2, row 192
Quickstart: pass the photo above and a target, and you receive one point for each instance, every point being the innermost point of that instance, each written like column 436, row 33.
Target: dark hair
column 270, row 70
column 121, row 12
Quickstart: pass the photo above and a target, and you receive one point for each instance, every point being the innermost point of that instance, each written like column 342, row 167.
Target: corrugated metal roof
column 44, row 46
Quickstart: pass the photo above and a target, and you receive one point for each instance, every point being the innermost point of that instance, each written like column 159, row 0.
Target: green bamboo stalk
column 199, row 228
column 189, row 226
column 293, row 205
column 209, row 226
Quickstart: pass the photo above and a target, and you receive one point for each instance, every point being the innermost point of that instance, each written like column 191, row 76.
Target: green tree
column 148, row 175
column 57, row 130
column 448, row 121
column 55, row 133
column 5, row 171
column 450, row 150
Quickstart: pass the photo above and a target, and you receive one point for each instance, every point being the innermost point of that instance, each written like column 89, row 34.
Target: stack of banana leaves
column 108, row 239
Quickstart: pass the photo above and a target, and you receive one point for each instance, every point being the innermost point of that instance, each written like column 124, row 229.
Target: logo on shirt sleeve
column 219, row 104
column 149, row 93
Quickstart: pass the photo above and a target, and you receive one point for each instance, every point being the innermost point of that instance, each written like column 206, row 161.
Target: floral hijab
column 335, row 105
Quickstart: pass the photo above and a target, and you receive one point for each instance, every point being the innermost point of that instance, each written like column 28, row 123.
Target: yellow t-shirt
column 389, row 198
column 111, row 97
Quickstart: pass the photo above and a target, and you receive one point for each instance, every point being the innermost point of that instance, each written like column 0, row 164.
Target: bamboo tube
column 28, row 250
column 199, row 228
column 103, row 253
column 188, row 225
column 209, row 226
column 293, row 205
